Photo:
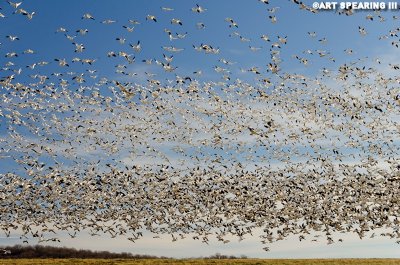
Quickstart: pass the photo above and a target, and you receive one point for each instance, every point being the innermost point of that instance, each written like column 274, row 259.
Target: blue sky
column 341, row 32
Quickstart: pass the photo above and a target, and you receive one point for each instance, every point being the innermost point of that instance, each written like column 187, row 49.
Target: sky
column 42, row 35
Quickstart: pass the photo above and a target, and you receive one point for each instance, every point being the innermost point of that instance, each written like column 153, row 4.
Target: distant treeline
column 38, row 251
column 221, row 256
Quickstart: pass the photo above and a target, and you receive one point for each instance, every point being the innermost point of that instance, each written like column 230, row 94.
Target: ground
column 199, row 261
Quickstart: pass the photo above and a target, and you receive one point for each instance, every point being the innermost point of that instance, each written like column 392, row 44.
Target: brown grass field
column 199, row 261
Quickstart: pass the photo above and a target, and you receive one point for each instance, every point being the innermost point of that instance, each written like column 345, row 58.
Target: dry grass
column 199, row 261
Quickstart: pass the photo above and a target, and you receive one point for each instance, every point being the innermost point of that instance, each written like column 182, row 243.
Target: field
column 199, row 261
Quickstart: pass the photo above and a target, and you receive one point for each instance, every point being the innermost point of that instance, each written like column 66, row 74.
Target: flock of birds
column 119, row 155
